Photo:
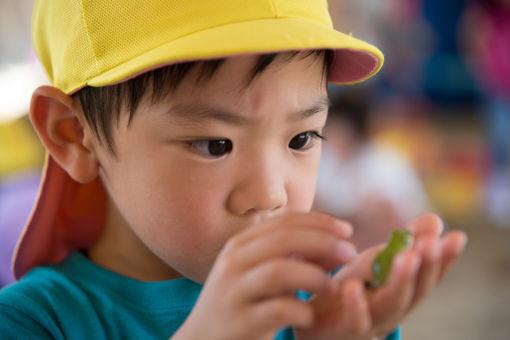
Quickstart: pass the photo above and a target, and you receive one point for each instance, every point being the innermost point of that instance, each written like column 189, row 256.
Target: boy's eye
column 213, row 147
column 304, row 140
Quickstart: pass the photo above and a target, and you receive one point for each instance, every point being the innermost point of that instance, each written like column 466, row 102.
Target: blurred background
column 431, row 132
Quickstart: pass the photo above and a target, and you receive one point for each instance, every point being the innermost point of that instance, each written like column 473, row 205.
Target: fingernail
column 345, row 227
column 346, row 251
column 463, row 242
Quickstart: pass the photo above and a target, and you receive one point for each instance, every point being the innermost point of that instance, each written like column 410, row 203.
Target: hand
column 250, row 291
column 357, row 312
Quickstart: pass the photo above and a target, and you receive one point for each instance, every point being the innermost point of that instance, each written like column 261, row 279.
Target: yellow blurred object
column 20, row 149
column 457, row 195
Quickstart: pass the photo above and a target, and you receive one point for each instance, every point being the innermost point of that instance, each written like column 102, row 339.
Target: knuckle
column 330, row 244
column 274, row 272
column 359, row 329
column 232, row 244
column 281, row 312
column 283, row 236
column 267, row 272
column 231, row 250
column 228, row 260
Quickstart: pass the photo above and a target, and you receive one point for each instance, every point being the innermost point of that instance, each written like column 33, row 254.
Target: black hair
column 102, row 105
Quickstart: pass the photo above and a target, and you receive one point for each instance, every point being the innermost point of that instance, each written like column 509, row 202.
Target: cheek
column 183, row 209
column 301, row 186
column 301, row 195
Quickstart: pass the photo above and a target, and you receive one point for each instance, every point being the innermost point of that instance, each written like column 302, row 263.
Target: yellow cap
column 102, row 42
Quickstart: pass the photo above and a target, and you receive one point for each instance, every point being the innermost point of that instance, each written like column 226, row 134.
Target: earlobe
column 57, row 123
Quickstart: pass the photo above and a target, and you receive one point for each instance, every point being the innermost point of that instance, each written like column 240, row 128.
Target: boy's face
column 211, row 160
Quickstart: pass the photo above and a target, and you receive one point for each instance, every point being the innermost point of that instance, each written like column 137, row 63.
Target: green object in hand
column 399, row 240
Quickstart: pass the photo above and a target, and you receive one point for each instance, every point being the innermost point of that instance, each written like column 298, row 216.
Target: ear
column 62, row 131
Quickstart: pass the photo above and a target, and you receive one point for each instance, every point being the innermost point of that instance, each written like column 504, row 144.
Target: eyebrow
column 199, row 112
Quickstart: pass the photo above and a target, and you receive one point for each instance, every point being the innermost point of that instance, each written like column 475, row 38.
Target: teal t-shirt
column 80, row 300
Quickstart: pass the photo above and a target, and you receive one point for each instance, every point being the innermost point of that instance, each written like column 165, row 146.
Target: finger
column 452, row 246
column 310, row 244
column 320, row 221
column 426, row 225
column 356, row 316
column 360, row 266
column 430, row 269
column 284, row 276
column 391, row 301
column 280, row 312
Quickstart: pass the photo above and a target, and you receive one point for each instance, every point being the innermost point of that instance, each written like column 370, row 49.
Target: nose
column 260, row 189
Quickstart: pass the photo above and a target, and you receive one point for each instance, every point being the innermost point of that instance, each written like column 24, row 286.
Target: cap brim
column 354, row 59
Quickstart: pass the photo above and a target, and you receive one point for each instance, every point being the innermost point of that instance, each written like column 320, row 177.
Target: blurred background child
column 369, row 183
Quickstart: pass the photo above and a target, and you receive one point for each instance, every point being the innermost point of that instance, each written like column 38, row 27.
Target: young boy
column 183, row 140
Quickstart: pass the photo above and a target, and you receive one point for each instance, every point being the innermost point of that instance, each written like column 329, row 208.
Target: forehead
column 288, row 89
column 293, row 84
column 244, row 75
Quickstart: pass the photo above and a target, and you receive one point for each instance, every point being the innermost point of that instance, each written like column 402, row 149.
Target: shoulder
column 80, row 300
column 28, row 307
column 50, row 301
column 44, row 285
